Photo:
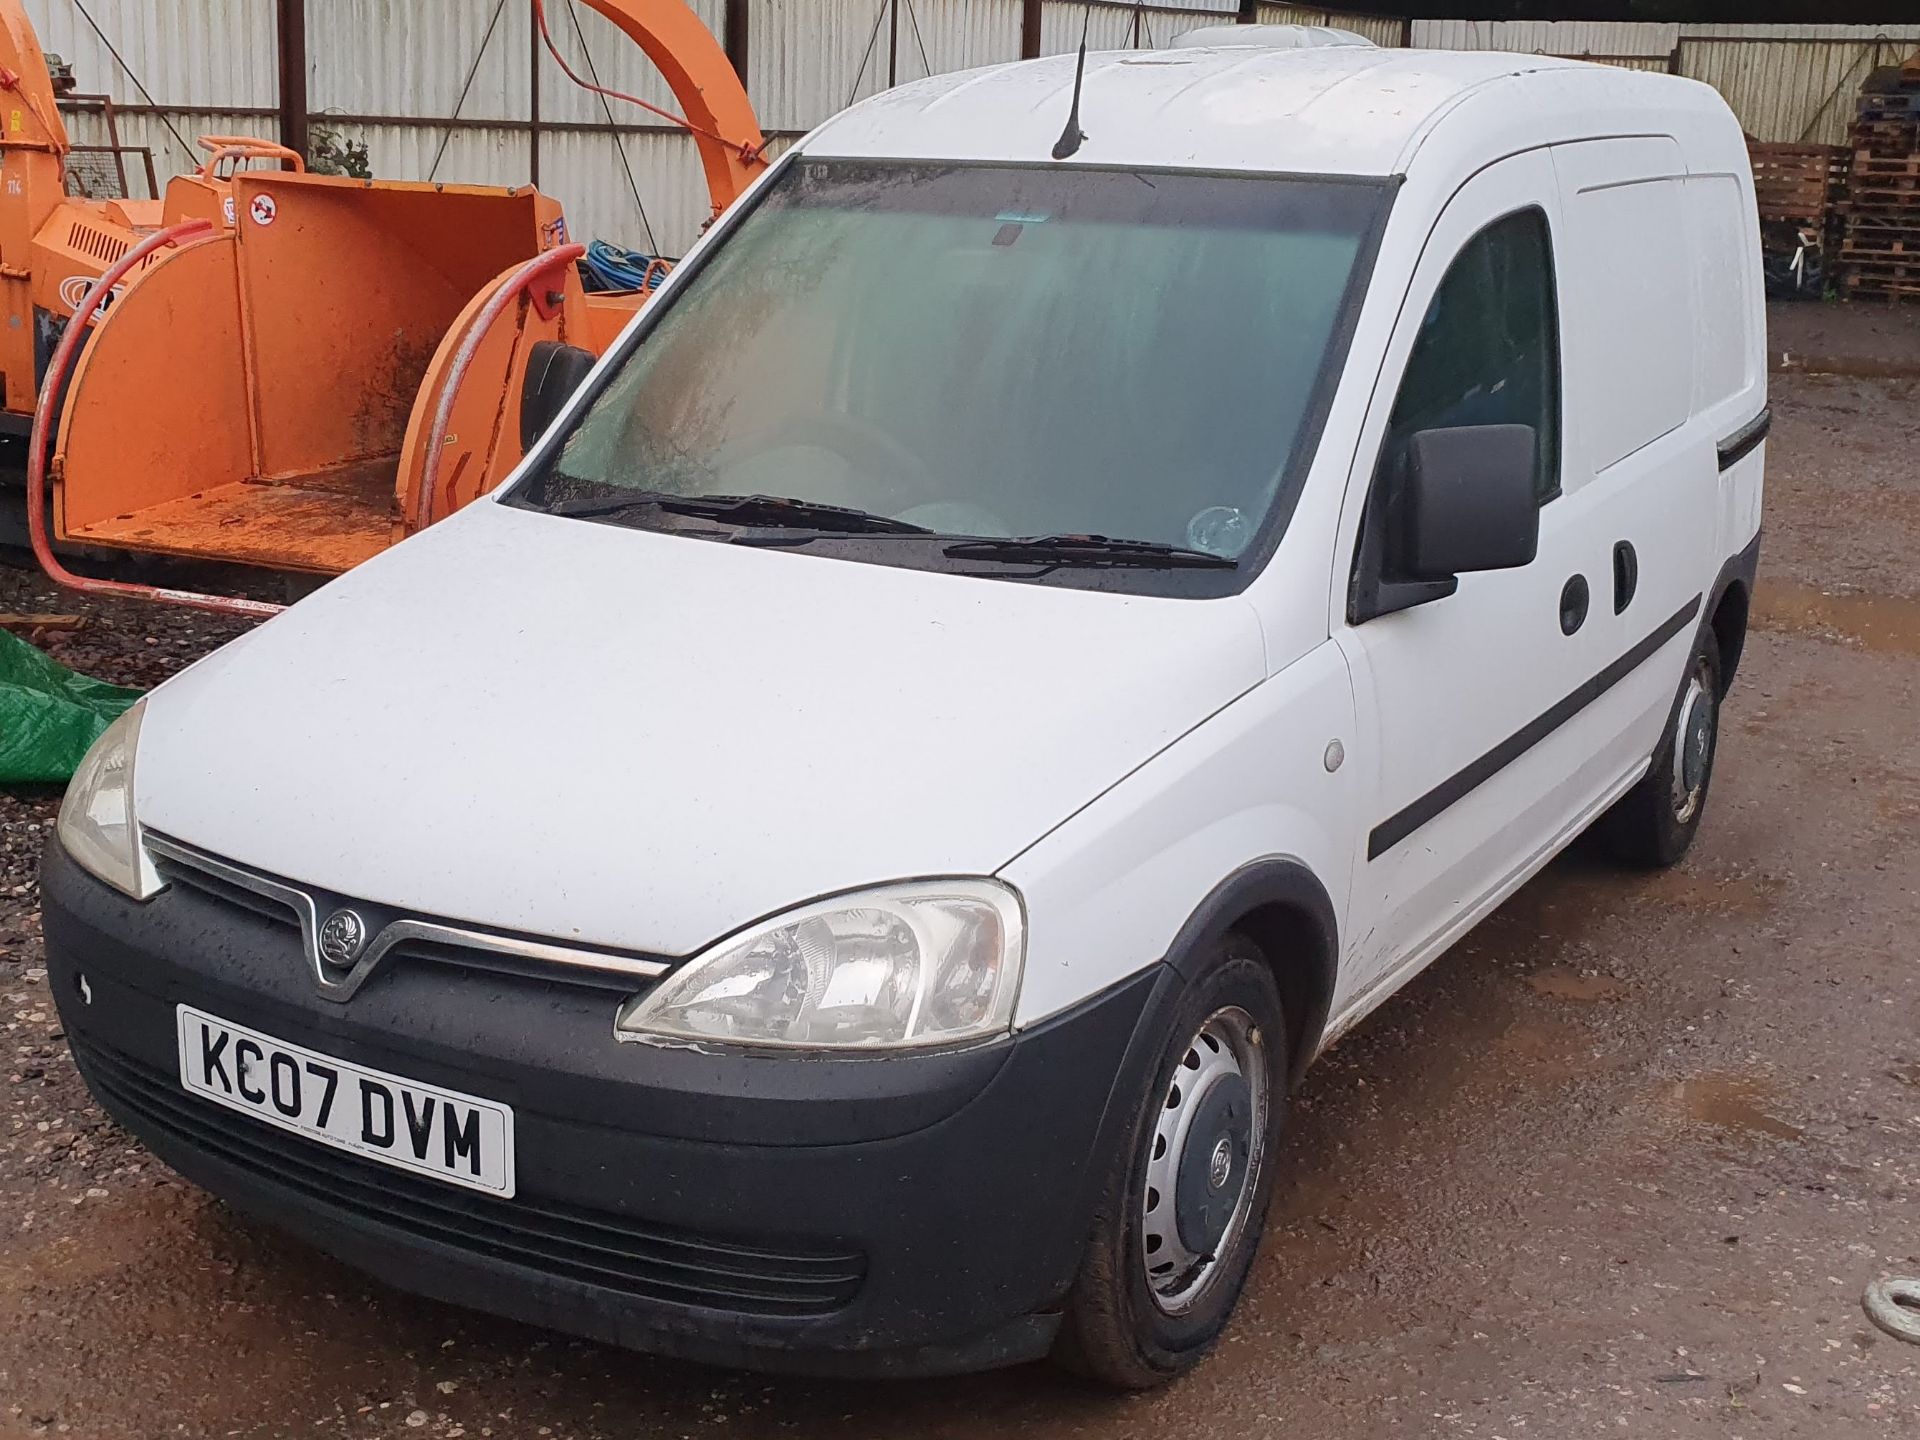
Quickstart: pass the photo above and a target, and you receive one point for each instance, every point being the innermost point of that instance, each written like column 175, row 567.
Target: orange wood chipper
column 292, row 370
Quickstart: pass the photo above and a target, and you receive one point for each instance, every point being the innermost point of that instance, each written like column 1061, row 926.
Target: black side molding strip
column 1391, row 831
column 1737, row 446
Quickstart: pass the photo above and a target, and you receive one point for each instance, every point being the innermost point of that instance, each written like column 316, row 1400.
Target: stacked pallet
column 1798, row 184
column 1881, row 249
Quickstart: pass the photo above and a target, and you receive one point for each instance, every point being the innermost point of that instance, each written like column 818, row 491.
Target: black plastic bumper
column 903, row 1215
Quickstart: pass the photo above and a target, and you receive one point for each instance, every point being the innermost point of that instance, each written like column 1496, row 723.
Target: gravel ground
column 1621, row 1163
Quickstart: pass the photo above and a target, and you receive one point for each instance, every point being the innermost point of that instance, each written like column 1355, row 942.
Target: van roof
column 1337, row 110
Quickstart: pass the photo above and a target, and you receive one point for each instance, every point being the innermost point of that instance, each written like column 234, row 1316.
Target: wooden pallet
column 1901, row 106
column 1880, row 241
column 1884, row 137
column 1797, row 183
column 1874, row 167
column 1888, row 261
column 1852, row 256
column 1858, row 244
column 1867, row 287
column 1884, row 206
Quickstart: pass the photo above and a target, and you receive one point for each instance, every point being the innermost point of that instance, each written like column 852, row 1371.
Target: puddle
column 1732, row 1102
column 1884, row 623
column 1787, row 362
column 1572, row 985
column 1541, row 1053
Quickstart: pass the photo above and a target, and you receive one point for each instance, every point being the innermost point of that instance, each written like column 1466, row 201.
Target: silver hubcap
column 1203, row 1156
column 1693, row 736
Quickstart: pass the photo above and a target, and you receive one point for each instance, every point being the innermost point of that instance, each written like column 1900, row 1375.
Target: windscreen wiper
column 1090, row 551
column 774, row 511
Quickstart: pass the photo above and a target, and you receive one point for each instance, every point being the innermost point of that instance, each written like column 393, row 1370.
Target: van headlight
column 97, row 825
column 928, row 963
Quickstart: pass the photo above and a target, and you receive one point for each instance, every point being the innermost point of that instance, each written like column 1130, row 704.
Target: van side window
column 1488, row 351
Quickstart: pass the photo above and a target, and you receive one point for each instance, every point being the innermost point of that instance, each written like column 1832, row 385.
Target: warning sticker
column 264, row 209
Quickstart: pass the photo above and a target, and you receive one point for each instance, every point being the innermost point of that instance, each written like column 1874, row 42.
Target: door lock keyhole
column 1573, row 605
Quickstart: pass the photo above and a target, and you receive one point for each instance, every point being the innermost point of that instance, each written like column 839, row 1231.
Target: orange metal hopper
column 247, row 400
column 295, row 371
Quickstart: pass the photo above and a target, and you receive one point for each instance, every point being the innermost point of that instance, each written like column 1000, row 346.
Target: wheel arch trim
column 1736, row 578
column 1268, row 886
column 1252, row 899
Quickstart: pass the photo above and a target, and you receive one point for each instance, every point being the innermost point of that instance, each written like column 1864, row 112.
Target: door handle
column 1573, row 604
column 1626, row 575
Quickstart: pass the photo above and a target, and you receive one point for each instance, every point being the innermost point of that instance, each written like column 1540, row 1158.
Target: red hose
column 436, row 440
column 41, row 441
column 752, row 154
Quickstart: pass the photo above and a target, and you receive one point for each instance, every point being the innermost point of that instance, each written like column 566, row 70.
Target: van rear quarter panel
column 1640, row 460
column 1720, row 243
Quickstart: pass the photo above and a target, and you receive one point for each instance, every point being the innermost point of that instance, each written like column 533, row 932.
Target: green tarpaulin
column 48, row 714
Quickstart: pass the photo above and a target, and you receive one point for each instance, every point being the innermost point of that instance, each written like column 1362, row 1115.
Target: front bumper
column 911, row 1214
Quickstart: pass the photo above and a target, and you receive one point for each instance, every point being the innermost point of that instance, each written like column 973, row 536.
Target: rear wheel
column 1654, row 823
column 1183, row 1205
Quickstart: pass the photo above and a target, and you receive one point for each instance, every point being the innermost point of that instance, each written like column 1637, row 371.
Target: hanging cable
column 119, row 60
column 619, row 144
column 446, row 135
column 914, row 19
column 750, row 153
column 1140, row 27
column 872, row 40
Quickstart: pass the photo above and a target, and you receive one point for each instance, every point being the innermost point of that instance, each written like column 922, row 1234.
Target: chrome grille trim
column 338, row 985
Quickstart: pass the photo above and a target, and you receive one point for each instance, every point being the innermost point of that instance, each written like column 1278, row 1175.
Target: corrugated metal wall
column 962, row 35
column 390, row 72
column 1794, row 90
column 381, row 60
column 810, row 58
column 1548, row 37
column 1380, row 29
column 206, row 53
column 1125, row 27
column 1784, row 82
column 202, row 60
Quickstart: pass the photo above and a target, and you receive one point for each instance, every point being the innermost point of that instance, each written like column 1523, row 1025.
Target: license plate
column 451, row 1136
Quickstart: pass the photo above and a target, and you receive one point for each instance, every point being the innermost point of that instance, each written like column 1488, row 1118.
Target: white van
column 840, row 863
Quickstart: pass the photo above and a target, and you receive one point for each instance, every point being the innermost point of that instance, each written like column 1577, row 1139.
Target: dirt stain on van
column 1736, row 1104
column 1886, row 624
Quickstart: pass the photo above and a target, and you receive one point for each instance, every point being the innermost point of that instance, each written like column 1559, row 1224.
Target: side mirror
column 554, row 372
column 1469, row 501
column 1463, row 502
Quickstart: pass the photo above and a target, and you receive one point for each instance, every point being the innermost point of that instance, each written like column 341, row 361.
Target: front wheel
column 1184, row 1203
column 1653, row 824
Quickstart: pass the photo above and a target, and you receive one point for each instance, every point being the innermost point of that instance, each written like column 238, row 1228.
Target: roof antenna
column 1069, row 142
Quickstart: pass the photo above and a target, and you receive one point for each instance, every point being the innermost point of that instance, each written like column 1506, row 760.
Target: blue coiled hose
column 607, row 267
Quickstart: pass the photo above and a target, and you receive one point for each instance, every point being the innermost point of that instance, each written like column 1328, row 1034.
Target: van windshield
column 911, row 352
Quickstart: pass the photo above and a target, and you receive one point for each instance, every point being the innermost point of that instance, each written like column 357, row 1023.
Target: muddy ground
column 1622, row 1163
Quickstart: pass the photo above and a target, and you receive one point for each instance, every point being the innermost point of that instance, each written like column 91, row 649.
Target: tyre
column 1183, row 1203
column 1652, row 825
